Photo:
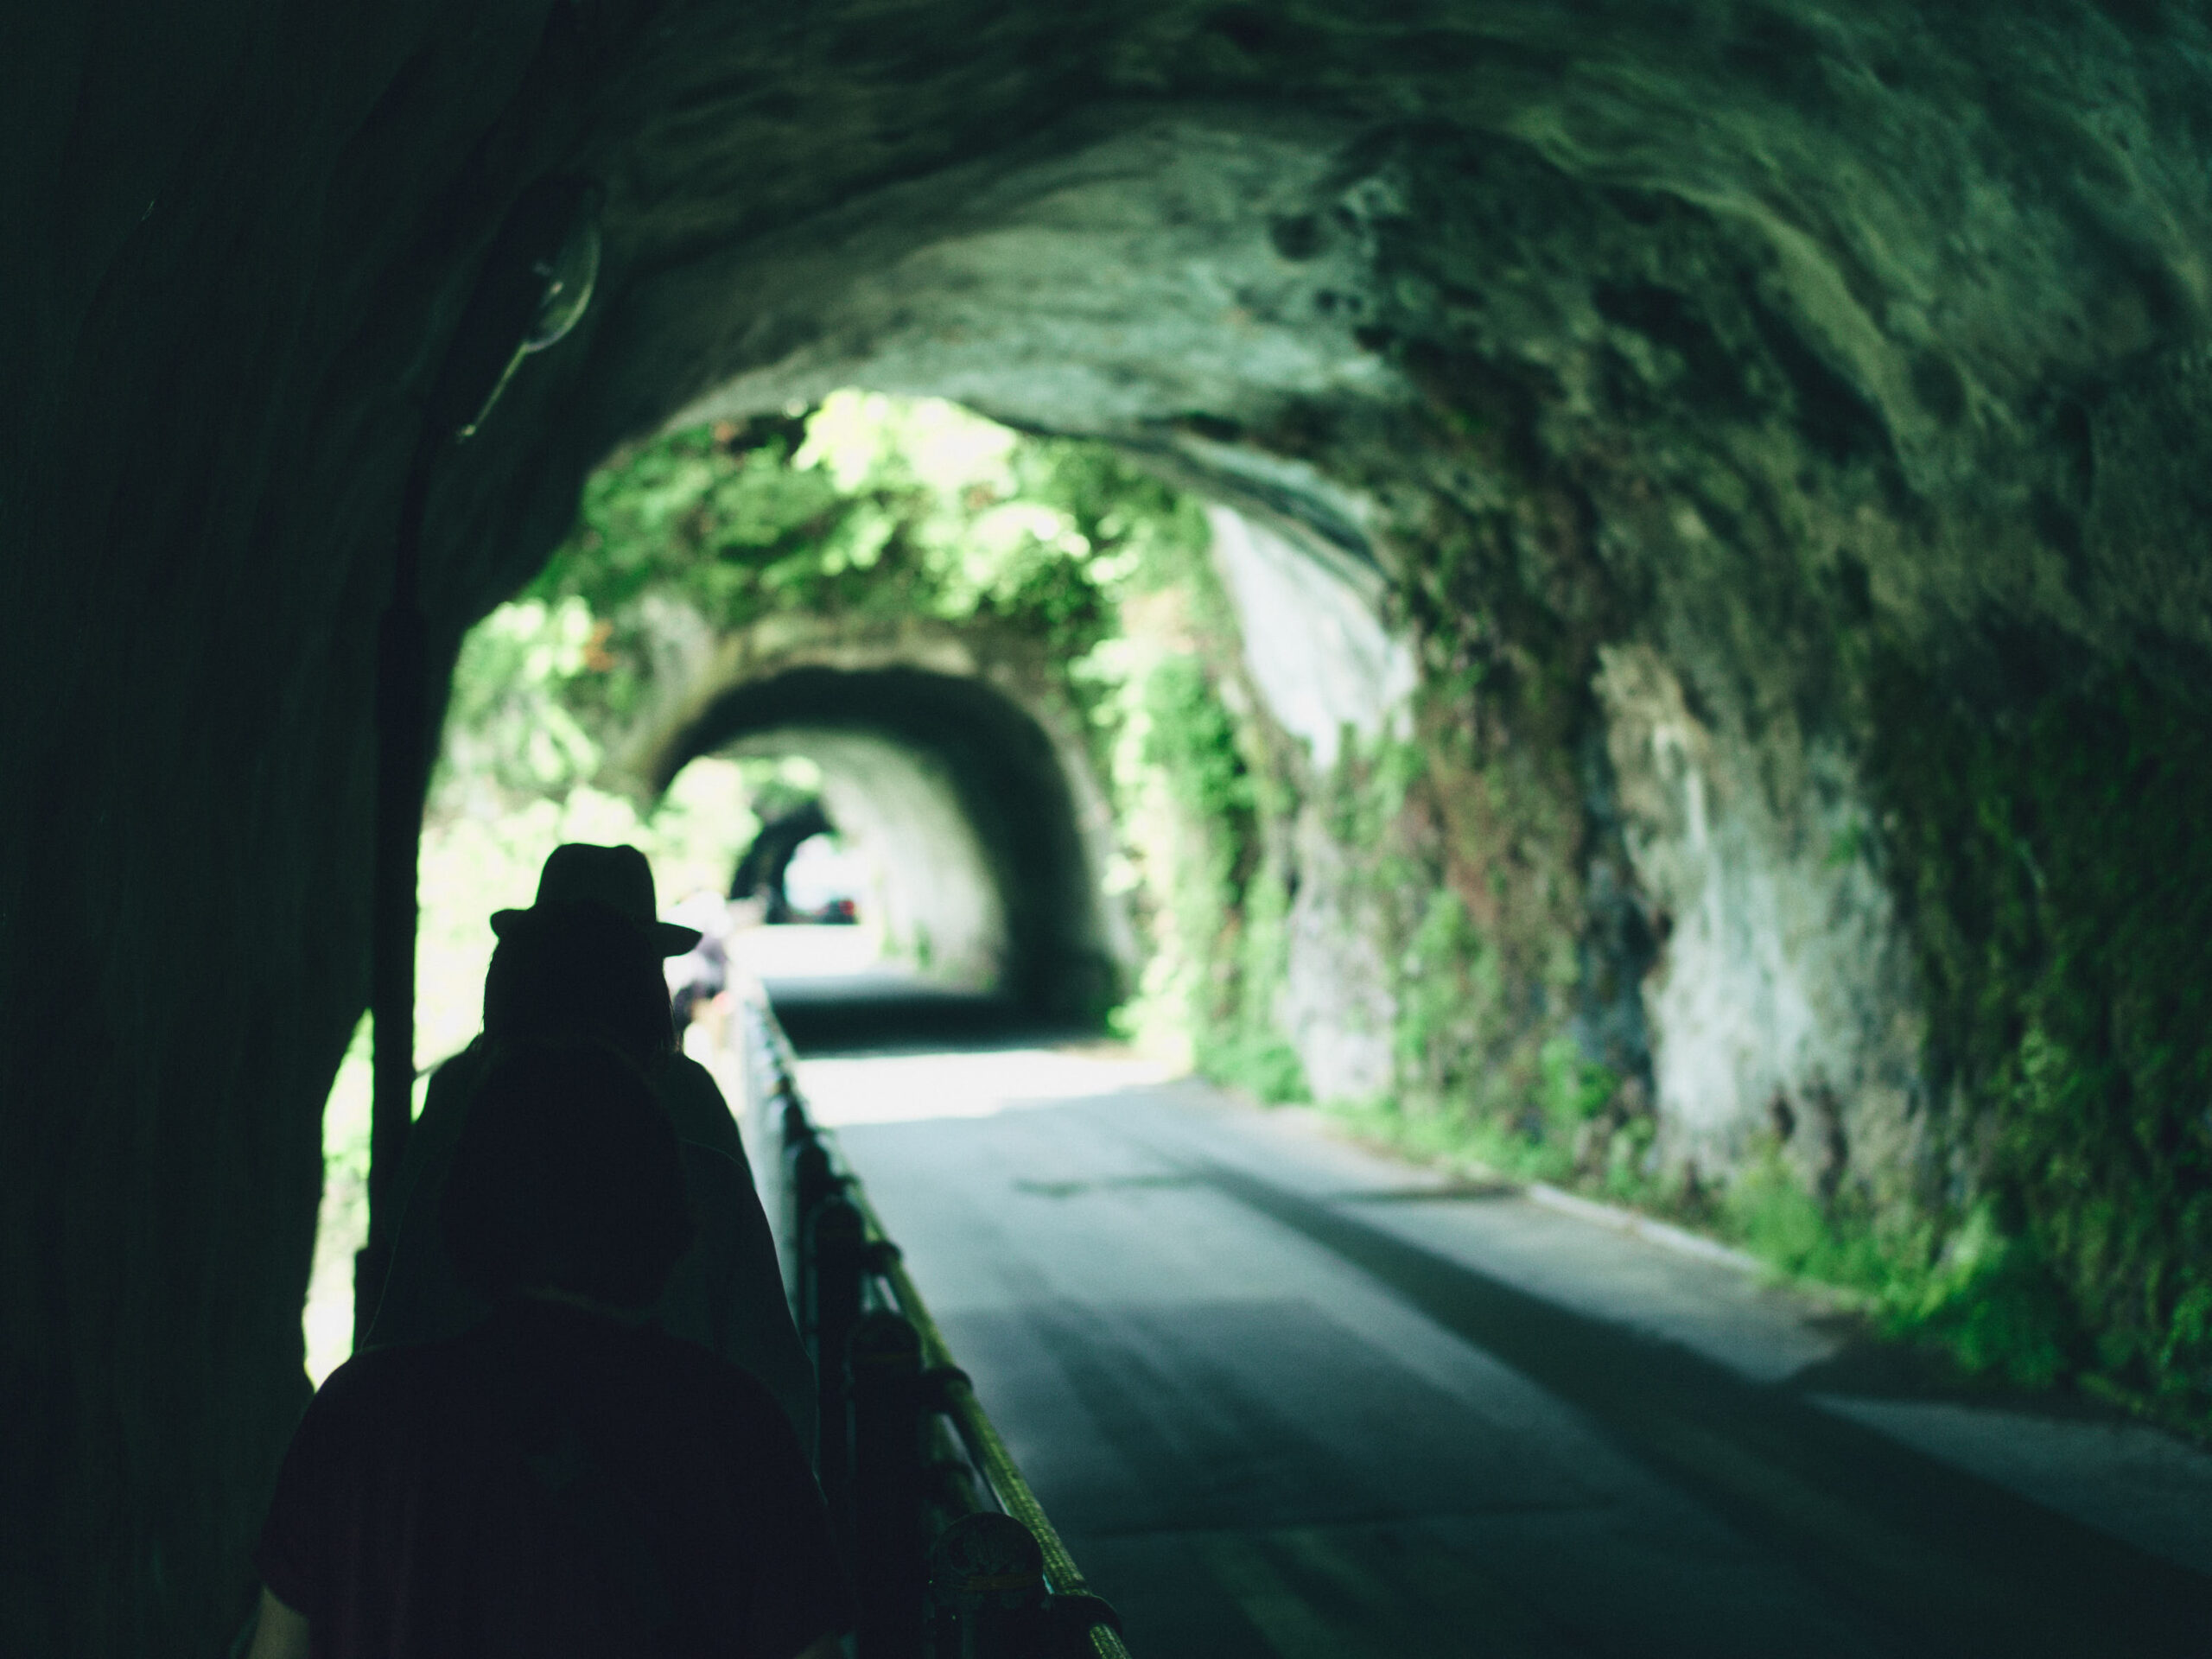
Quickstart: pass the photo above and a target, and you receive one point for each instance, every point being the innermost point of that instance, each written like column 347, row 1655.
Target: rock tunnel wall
column 1780, row 429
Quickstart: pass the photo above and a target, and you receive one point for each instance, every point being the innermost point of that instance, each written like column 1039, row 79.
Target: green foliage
column 1993, row 1301
column 2052, row 862
column 1226, row 926
column 872, row 509
column 1244, row 1047
column 2059, row 878
column 1768, row 1209
column 1449, row 1008
column 1986, row 1296
column 1574, row 1091
column 508, row 726
column 2056, row 873
column 1197, row 786
column 871, row 506
column 1467, row 875
column 1366, row 798
column 1541, row 1133
column 1192, row 740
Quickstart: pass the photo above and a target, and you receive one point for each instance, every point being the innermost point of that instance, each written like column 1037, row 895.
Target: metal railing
column 953, row 1555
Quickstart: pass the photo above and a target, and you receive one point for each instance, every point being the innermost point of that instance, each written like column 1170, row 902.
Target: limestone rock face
column 1755, row 420
column 1786, row 977
column 1313, row 645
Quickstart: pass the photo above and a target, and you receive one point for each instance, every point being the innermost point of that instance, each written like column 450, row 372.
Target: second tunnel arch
column 1025, row 856
column 762, row 869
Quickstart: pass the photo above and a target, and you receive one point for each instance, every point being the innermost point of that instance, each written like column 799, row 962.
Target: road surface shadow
column 881, row 1013
column 1869, row 1366
column 1945, row 1562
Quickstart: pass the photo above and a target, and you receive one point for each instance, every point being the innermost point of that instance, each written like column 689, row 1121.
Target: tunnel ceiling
column 1704, row 353
column 1847, row 277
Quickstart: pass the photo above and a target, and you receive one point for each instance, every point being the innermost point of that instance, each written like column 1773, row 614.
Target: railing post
column 808, row 1180
column 763, row 1085
column 884, row 1364
column 987, row 1589
column 951, row 1482
column 903, row 1449
column 837, row 1252
column 810, row 1177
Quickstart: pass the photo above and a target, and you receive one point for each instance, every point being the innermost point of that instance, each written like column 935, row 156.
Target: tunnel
column 962, row 801
column 1760, row 446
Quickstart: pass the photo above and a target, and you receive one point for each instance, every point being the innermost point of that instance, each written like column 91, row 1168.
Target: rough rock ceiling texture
column 1717, row 316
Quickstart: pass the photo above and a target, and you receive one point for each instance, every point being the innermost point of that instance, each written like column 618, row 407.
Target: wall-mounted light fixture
column 564, row 273
column 536, row 281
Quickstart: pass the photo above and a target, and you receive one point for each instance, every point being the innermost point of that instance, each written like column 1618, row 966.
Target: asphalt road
column 1287, row 1398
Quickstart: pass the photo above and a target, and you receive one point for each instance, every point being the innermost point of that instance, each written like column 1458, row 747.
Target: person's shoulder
column 371, row 1368
column 463, row 1067
column 679, row 1072
column 375, row 1380
column 714, row 1163
column 693, row 1100
column 389, row 1363
column 707, row 1375
column 453, row 1081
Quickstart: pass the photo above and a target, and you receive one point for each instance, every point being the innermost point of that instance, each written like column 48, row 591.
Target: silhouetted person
column 585, row 961
column 565, row 1481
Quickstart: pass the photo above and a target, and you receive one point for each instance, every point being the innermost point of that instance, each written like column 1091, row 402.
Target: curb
column 1616, row 1217
column 1644, row 1227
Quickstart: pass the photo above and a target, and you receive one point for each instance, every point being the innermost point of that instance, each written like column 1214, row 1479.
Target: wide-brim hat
column 610, row 879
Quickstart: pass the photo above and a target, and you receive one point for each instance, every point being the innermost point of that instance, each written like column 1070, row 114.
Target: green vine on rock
column 869, row 509
column 2057, row 867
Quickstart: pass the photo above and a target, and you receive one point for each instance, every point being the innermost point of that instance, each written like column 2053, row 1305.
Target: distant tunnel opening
column 959, row 799
column 762, row 873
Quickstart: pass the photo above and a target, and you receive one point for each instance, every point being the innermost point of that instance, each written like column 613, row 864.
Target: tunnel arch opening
column 908, row 860
column 762, row 871
column 963, row 800
column 823, row 879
